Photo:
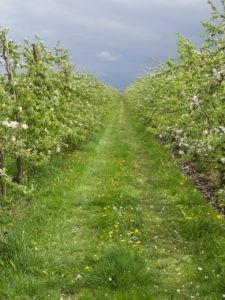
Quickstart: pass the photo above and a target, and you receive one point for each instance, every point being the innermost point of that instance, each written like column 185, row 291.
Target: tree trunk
column 19, row 175
column 9, row 69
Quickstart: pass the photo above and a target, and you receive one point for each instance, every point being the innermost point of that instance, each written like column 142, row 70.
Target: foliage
column 46, row 106
column 182, row 101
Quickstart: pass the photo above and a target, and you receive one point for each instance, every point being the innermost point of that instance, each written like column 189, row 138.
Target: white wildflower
column 195, row 98
column 78, row 277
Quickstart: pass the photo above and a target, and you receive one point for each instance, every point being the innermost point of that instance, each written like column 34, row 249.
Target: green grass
column 115, row 220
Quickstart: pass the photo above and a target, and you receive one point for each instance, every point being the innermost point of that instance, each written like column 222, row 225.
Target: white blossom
column 24, row 126
column 2, row 172
column 10, row 124
column 58, row 149
column 222, row 129
column 197, row 52
column 216, row 130
column 222, row 160
column 194, row 102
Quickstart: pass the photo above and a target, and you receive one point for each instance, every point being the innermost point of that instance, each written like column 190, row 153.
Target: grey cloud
column 113, row 39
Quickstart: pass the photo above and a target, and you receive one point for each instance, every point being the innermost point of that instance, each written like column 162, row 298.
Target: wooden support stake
column 36, row 53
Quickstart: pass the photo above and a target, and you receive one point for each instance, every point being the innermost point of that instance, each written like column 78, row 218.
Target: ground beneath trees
column 115, row 220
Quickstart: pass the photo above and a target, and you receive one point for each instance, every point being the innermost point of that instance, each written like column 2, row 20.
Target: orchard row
column 182, row 102
column 46, row 107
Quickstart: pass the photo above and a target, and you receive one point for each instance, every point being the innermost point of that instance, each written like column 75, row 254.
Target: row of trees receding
column 182, row 101
column 45, row 107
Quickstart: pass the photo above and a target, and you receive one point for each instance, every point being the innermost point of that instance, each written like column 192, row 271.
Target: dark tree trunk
column 19, row 175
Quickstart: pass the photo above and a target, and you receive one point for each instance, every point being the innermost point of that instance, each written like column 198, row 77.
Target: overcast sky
column 113, row 39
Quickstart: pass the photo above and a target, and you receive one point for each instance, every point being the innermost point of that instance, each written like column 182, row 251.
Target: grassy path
column 116, row 220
